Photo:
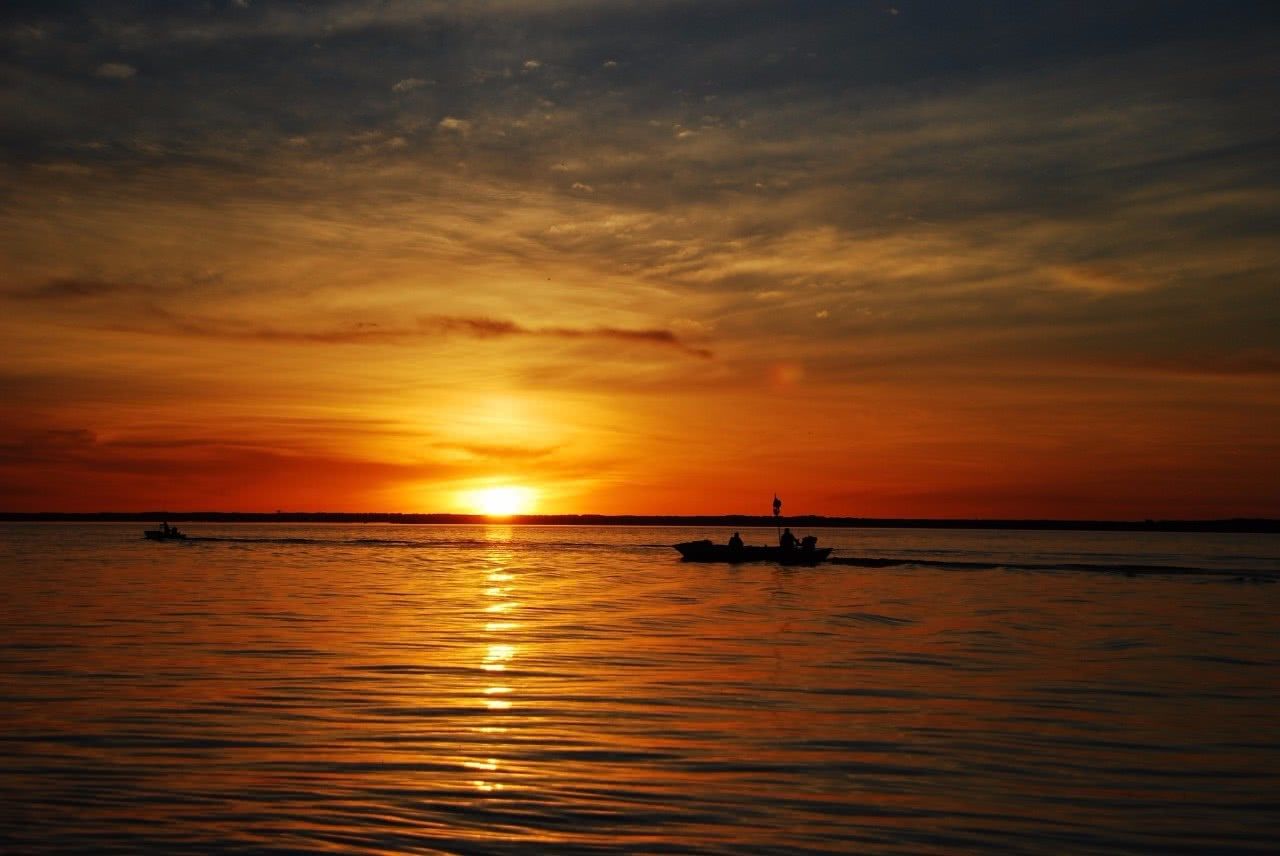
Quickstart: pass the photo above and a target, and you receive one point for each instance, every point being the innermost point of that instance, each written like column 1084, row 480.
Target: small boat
column 708, row 551
column 168, row 533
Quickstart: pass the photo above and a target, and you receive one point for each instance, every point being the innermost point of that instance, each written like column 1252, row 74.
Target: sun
column 502, row 501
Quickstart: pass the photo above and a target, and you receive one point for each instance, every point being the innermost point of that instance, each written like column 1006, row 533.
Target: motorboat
column 709, row 551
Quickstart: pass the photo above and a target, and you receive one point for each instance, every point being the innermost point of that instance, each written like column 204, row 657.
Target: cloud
column 434, row 325
column 653, row 337
column 47, row 445
column 1251, row 361
column 456, row 125
column 409, row 84
column 71, row 288
column 486, row 328
column 1097, row 279
column 116, row 71
column 498, row 451
column 480, row 328
column 217, row 473
column 1260, row 363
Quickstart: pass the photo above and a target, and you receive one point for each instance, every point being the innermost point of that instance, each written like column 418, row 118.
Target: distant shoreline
column 1240, row 525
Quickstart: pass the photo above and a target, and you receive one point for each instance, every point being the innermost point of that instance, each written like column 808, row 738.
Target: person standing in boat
column 735, row 543
column 787, row 541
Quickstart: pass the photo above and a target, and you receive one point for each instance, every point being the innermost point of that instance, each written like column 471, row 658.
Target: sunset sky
column 928, row 259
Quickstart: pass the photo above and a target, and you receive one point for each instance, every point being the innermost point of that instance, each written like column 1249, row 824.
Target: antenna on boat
column 777, row 512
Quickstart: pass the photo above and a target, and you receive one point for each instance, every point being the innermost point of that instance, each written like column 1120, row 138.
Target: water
column 422, row 689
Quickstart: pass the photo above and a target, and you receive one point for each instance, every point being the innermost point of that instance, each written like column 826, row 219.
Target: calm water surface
column 384, row 689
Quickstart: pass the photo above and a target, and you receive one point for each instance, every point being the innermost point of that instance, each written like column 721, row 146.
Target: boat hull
column 708, row 551
column 161, row 535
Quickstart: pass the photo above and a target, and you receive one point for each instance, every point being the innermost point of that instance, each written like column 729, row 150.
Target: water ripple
column 388, row 689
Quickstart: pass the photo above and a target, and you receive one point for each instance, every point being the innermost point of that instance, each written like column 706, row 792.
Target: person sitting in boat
column 809, row 543
column 787, row 541
column 735, row 543
column 164, row 527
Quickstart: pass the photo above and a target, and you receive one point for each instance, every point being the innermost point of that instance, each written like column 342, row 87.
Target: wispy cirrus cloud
column 485, row 328
column 224, row 472
column 409, row 84
column 425, row 326
column 116, row 71
column 70, row 289
column 500, row 452
column 881, row 207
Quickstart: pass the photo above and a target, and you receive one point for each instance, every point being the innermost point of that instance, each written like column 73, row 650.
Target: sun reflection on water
column 498, row 653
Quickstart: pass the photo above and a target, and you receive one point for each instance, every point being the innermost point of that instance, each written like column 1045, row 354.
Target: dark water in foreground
column 383, row 689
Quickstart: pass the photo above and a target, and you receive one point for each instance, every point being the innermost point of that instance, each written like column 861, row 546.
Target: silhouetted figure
column 735, row 543
column 787, row 541
column 164, row 527
column 809, row 543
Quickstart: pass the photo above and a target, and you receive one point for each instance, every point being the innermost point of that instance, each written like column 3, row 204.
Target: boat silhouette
column 708, row 551
column 164, row 533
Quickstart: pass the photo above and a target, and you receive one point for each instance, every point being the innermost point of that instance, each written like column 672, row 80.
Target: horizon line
column 1220, row 524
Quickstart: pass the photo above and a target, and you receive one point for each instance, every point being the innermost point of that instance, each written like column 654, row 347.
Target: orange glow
column 502, row 501
column 506, row 314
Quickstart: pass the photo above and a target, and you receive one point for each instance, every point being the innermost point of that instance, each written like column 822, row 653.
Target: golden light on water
column 500, row 652
column 497, row 654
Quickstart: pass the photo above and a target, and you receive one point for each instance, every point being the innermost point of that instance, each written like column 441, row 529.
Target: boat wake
column 1013, row 563
column 333, row 542
column 461, row 543
column 1096, row 567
